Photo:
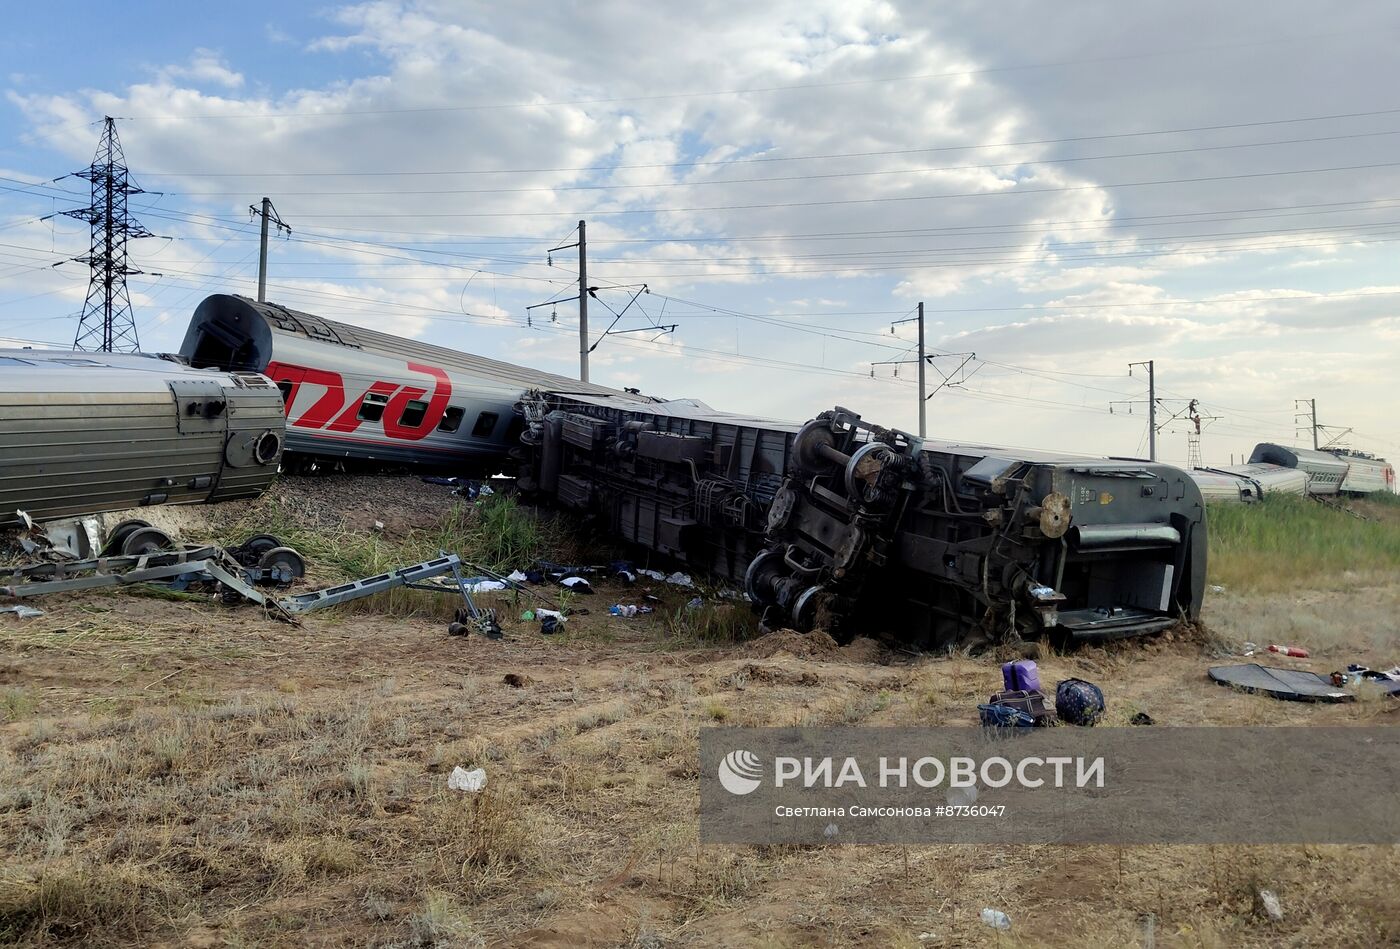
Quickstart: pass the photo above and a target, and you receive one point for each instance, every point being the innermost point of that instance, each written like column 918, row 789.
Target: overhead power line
column 888, row 172
column 763, row 159
column 881, row 200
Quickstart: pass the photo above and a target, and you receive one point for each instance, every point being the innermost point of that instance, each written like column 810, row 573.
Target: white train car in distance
column 1325, row 471
column 1366, row 474
column 1249, row 482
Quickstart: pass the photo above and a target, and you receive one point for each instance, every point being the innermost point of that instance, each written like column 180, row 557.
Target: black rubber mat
column 1290, row 684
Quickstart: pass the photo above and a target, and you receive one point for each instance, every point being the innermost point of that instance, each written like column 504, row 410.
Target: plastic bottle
column 996, row 919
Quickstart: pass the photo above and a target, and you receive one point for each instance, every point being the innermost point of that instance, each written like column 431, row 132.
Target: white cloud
column 532, row 115
column 205, row 66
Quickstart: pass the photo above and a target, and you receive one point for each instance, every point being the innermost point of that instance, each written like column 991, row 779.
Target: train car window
column 451, row 419
column 372, row 408
column 286, row 388
column 413, row 413
column 485, row 425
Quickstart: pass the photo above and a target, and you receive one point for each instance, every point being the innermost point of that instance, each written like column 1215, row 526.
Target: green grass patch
column 497, row 532
column 1286, row 542
column 711, row 623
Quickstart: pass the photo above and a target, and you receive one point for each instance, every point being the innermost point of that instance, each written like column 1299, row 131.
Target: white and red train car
column 352, row 393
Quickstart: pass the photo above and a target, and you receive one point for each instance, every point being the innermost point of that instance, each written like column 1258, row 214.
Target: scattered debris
column 1268, row 902
column 577, row 584
column 378, row 527
column 71, row 539
column 995, row 918
column 1289, row 684
column 462, row 487
column 831, row 831
column 483, row 585
column 961, row 797
column 549, row 625
column 1142, row 718
column 1078, row 702
column 463, row 780
column 1249, row 649
column 675, row 579
column 528, row 616
column 629, row 610
column 457, row 629
column 1356, row 675
column 1297, row 652
column 22, row 611
column 515, row 680
column 1216, row 588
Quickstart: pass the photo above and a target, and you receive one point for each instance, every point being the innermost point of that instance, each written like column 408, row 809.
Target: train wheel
column 257, row 545
column 285, row 563
column 117, row 536
column 758, row 579
column 146, row 540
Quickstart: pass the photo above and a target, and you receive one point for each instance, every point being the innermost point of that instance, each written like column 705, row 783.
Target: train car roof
column 66, row 370
column 1289, row 457
column 281, row 319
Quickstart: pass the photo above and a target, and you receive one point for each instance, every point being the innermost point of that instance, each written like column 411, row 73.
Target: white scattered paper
column 463, row 780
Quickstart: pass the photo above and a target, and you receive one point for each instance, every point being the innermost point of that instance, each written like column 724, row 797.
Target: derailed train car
column 1249, row 483
column 840, row 522
column 358, row 396
column 824, row 524
column 82, row 433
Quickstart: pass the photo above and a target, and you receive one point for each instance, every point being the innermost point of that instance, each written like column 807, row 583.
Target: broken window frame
column 451, row 419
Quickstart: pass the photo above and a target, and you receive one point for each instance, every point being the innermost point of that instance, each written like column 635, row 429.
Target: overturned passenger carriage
column 356, row 396
column 844, row 524
column 82, row 433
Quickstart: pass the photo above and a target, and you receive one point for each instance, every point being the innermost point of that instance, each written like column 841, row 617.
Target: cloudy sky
column 1068, row 187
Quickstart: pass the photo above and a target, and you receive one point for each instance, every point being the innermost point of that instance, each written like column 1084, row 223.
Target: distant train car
column 1249, row 482
column 1218, row 485
column 354, row 393
column 82, row 433
column 1325, row 471
column 1366, row 474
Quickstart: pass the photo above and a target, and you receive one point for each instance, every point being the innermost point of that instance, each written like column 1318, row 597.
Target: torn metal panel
column 93, row 580
column 22, row 611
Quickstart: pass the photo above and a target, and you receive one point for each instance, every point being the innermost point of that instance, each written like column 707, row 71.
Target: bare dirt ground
column 181, row 773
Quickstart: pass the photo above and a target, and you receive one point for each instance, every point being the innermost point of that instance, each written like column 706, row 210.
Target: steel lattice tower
column 107, row 324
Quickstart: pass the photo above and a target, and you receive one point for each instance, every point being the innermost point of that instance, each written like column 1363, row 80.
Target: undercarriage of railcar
column 848, row 526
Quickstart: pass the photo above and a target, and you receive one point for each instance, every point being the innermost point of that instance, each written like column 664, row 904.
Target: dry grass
column 171, row 773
